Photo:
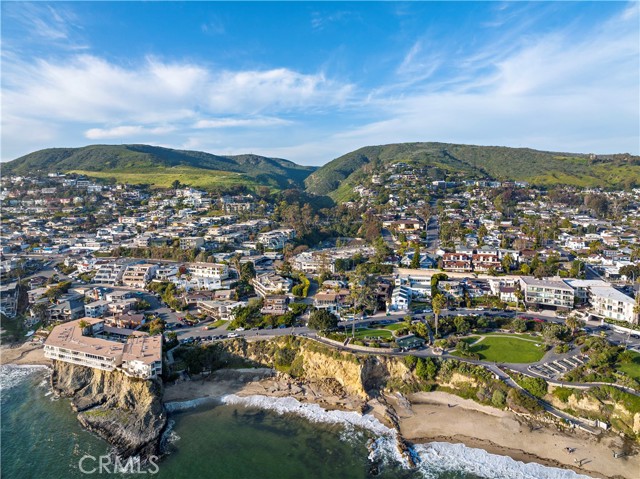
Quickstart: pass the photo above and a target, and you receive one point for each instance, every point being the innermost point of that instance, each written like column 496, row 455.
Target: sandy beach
column 442, row 417
column 25, row 354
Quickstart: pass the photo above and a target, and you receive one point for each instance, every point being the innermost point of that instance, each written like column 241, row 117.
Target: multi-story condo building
column 138, row 275
column 78, row 342
column 483, row 262
column 96, row 309
column 109, row 273
column 191, row 242
column 459, row 262
column 547, row 292
column 271, row 283
column 208, row 270
column 401, row 298
column 607, row 302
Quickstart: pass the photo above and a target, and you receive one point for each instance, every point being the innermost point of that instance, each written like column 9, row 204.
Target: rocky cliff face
column 360, row 376
column 126, row 412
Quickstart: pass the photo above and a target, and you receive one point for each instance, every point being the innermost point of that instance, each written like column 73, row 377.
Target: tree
column 322, row 320
column 507, row 262
column 39, row 310
column 462, row 325
column 498, row 399
column 415, row 261
column 437, row 303
column 573, row 323
column 247, row 272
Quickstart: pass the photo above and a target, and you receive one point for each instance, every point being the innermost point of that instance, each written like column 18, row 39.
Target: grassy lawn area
column 394, row 327
column 373, row 333
column 530, row 337
column 507, row 350
column 633, row 368
column 217, row 324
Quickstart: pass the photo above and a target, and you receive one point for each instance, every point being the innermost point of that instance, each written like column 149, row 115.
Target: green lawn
column 394, row 327
column 530, row 337
column 373, row 333
column 633, row 368
column 508, row 350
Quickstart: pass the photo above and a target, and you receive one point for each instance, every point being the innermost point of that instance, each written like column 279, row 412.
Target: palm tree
column 437, row 303
column 573, row 323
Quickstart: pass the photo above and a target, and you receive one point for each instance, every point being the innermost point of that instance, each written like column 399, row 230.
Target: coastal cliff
column 128, row 413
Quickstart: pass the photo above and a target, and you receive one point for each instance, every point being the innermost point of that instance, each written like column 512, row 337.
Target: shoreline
column 423, row 418
column 27, row 354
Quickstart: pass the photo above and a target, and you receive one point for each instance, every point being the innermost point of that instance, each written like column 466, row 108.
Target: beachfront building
column 609, row 303
column 79, row 342
column 547, row 292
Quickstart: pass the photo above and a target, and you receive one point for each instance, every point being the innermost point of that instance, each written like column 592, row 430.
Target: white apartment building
column 140, row 356
column 191, row 242
column 608, row 302
column 547, row 292
column 269, row 283
column 400, row 298
column 138, row 275
column 208, row 270
column 110, row 273
column 96, row 309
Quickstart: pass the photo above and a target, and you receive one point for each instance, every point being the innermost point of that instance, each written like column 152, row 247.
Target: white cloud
column 124, row 132
column 240, row 122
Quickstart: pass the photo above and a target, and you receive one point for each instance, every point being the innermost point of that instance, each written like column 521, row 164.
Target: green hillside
column 442, row 160
column 126, row 161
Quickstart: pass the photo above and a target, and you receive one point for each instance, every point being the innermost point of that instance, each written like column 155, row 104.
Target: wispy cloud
column 54, row 23
column 240, row 122
column 125, row 131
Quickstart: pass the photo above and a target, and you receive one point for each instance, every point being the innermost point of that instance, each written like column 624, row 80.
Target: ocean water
column 255, row 437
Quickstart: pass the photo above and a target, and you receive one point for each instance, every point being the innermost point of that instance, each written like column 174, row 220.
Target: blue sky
column 311, row 81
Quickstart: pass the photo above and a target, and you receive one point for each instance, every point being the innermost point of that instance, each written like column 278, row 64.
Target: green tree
column 437, row 303
column 498, row 399
column 322, row 320
column 415, row 261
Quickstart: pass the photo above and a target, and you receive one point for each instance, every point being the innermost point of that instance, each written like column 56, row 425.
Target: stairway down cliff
column 127, row 412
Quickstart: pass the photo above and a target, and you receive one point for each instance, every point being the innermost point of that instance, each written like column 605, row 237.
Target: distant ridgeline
column 440, row 161
column 160, row 167
column 143, row 164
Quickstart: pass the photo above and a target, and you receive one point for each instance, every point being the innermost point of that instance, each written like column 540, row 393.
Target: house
column 110, row 273
column 410, row 341
column 219, row 309
column 79, row 342
column 400, row 298
column 270, row 283
column 9, row 299
column 276, row 304
column 508, row 294
column 66, row 310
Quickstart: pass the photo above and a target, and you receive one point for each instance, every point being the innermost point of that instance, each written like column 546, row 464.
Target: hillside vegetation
column 442, row 160
column 127, row 161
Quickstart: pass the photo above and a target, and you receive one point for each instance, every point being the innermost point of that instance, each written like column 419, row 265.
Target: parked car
column 232, row 335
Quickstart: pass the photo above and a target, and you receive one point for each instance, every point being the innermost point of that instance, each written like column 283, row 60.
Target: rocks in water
column 127, row 412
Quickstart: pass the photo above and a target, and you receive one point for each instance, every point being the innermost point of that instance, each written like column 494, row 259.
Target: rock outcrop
column 128, row 413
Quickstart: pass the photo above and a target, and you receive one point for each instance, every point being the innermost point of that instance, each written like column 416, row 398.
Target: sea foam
column 383, row 447
column 438, row 457
column 432, row 459
column 11, row 374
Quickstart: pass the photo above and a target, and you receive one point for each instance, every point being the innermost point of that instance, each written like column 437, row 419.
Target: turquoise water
column 41, row 438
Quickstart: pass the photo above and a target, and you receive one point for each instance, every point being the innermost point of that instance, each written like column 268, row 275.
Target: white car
column 239, row 329
column 232, row 335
